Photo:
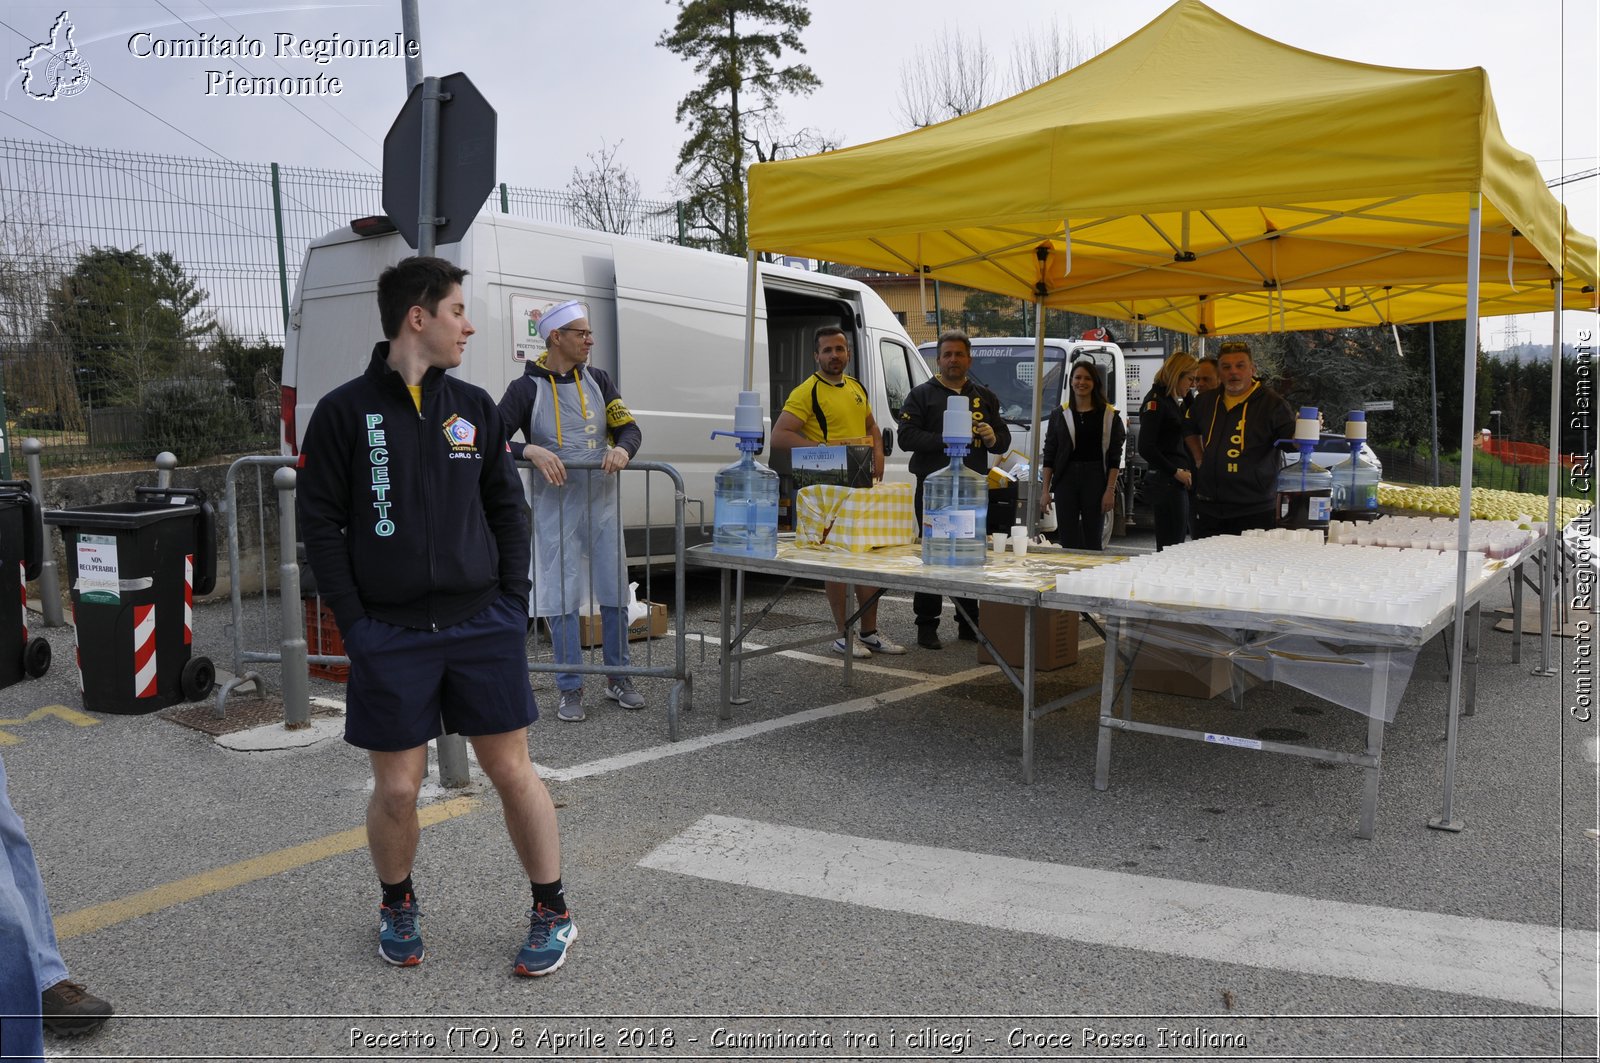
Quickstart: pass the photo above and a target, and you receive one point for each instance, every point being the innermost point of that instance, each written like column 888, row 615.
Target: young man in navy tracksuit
column 415, row 527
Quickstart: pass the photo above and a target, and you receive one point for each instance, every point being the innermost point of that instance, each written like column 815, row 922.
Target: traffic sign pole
column 428, row 181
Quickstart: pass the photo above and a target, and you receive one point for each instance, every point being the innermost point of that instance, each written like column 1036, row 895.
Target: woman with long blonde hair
column 1170, row 474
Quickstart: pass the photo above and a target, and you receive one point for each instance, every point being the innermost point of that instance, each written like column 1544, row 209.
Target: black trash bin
column 21, row 551
column 134, row 569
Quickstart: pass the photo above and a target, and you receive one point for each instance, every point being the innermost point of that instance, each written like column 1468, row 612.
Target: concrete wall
column 257, row 516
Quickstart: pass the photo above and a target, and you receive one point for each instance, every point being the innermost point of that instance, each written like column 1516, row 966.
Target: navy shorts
column 408, row 687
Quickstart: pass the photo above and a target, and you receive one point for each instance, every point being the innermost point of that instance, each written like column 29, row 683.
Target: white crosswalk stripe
column 1541, row 966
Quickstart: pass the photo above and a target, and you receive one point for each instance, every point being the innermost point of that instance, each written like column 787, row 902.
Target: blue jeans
column 614, row 639
column 27, row 935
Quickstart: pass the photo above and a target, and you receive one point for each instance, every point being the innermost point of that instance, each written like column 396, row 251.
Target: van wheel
column 36, row 658
column 199, row 675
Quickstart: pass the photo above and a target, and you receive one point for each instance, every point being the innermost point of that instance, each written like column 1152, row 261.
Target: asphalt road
column 842, row 872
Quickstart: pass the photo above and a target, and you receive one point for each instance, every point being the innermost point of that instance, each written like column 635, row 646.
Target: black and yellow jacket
column 1238, row 473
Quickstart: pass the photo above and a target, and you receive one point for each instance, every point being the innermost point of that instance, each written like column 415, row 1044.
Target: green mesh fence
column 142, row 298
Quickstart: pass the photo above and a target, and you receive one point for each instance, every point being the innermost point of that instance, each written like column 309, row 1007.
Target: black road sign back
column 466, row 160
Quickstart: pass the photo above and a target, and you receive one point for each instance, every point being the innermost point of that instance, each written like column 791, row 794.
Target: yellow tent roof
column 1202, row 170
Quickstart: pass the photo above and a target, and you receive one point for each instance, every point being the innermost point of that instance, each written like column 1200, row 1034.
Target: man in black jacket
column 922, row 433
column 415, row 529
column 1234, row 438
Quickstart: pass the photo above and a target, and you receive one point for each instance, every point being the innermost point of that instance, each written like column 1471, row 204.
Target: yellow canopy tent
column 1204, row 178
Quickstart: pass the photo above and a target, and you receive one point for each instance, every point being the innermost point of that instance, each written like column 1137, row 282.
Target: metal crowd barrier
column 292, row 656
column 680, row 696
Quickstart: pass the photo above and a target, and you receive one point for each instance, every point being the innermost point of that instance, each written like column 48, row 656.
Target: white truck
column 1005, row 365
column 669, row 327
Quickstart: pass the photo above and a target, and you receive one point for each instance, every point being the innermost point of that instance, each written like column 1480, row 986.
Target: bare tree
column 955, row 75
column 1038, row 57
column 38, row 373
column 604, row 196
column 952, row 76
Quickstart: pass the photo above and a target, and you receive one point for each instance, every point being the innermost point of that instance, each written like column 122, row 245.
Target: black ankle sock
column 869, row 634
column 393, row 895
column 551, row 895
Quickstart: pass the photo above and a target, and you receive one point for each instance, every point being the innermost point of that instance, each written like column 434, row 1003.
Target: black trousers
column 1170, row 501
column 926, row 606
column 1079, row 491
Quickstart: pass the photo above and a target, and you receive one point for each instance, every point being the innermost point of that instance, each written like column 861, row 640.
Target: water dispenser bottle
column 745, row 498
column 955, row 500
column 1305, row 489
column 1355, row 484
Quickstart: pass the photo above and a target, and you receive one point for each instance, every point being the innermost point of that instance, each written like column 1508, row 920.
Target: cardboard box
column 653, row 625
column 1055, row 635
column 1171, row 671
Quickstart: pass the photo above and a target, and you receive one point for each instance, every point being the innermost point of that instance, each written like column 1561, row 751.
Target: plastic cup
column 999, row 539
column 1019, row 543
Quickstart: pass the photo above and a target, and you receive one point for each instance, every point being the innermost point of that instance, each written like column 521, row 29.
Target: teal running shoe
column 549, row 936
column 399, row 939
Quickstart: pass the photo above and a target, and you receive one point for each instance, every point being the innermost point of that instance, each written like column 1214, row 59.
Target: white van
column 1004, row 365
column 669, row 327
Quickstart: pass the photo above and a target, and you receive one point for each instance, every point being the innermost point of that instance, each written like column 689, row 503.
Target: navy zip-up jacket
column 415, row 519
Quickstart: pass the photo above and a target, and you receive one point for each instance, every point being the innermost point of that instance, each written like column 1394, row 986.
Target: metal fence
column 288, row 640
column 237, row 231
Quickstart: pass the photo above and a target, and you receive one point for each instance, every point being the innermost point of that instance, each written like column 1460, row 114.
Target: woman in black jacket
column 1082, row 457
column 1170, row 477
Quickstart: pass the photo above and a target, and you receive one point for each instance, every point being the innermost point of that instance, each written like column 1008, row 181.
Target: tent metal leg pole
column 1036, row 438
column 1469, row 399
column 1552, row 530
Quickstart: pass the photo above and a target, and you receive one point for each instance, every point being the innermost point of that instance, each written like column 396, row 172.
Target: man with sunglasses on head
column 1233, row 436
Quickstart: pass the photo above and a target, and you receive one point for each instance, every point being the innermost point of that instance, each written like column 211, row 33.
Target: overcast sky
column 567, row 77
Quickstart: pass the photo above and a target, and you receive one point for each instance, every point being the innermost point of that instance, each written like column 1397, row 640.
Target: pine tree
column 732, row 116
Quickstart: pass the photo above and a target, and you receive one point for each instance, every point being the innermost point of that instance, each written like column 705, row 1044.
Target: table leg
column 1027, row 693
column 1127, row 679
column 1108, row 697
column 1369, row 797
column 1516, row 615
column 725, row 708
column 1377, row 704
column 1469, row 661
column 1446, row 819
column 738, row 625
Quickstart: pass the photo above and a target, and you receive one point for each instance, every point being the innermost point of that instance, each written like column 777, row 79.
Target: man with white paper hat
column 569, row 411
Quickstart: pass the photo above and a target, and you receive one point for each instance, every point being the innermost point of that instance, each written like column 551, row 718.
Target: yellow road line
column 61, row 712
column 101, row 916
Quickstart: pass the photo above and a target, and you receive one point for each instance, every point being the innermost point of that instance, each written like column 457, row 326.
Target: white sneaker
column 858, row 649
column 878, row 644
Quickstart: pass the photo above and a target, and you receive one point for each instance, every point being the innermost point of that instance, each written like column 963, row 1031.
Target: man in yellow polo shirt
column 831, row 408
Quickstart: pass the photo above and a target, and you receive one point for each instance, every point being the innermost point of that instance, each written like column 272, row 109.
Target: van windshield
column 1007, row 370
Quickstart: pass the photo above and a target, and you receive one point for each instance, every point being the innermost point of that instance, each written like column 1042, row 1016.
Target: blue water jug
column 955, row 514
column 746, row 509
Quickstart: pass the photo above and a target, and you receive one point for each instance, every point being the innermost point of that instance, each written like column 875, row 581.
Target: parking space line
column 1540, row 966
column 750, row 730
column 833, row 660
column 171, row 894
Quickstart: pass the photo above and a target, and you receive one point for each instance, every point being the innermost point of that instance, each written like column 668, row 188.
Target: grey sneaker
column 571, row 707
column 621, row 691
